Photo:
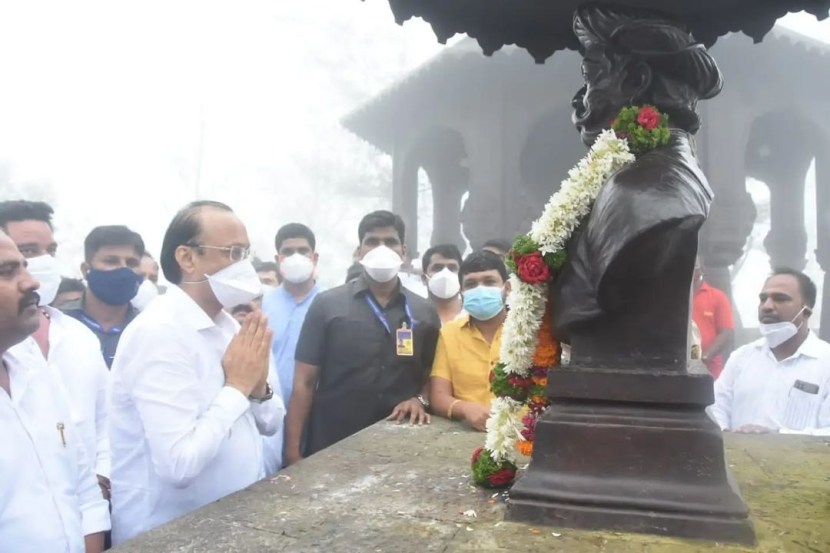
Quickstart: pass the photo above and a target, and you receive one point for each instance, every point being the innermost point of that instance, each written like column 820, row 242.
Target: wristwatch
column 269, row 393
column 424, row 401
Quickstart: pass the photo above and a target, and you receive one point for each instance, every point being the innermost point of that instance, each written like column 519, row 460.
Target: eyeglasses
column 235, row 253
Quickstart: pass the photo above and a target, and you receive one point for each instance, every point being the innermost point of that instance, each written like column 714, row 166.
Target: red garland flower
column 519, row 382
column 477, row 453
column 502, row 477
column 648, row 118
column 529, row 431
column 532, row 268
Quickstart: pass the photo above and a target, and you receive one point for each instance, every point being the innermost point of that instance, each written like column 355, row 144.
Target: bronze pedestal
column 631, row 451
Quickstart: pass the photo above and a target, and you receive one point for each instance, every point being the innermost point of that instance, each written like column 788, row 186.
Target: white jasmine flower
column 503, row 428
column 561, row 216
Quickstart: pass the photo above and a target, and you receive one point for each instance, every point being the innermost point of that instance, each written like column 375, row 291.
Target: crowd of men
column 125, row 405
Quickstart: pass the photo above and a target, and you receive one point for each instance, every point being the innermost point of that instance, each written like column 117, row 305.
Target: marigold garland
column 529, row 349
column 547, row 349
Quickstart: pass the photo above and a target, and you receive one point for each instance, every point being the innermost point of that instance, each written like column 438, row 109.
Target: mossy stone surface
column 401, row 489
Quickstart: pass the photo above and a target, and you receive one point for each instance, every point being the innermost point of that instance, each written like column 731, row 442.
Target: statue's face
column 599, row 101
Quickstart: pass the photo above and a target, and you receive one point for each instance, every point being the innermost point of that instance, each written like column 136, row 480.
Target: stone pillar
column 786, row 160
column 722, row 146
column 483, row 216
column 405, row 194
column 786, row 241
column 449, row 181
column 823, row 228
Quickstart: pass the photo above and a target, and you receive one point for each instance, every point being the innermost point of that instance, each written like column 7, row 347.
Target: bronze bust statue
column 626, row 443
column 622, row 300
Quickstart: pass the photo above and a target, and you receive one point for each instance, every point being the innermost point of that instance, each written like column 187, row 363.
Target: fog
column 120, row 112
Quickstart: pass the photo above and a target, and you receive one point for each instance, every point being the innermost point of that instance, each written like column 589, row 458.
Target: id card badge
column 405, row 342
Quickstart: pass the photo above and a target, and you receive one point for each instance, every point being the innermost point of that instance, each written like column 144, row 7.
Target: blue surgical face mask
column 483, row 302
column 114, row 287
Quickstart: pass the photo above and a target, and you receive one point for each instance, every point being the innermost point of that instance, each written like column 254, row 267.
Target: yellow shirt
column 465, row 359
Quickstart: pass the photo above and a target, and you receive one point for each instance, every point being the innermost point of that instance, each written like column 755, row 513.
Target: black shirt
column 108, row 338
column 362, row 378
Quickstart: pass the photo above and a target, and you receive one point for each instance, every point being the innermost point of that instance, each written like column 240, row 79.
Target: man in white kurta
column 70, row 348
column 75, row 355
column 49, row 497
column 781, row 382
column 182, row 433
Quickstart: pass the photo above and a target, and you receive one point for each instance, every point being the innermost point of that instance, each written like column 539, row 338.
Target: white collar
column 191, row 314
column 812, row 346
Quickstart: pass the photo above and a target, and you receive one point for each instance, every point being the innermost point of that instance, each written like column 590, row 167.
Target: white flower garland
column 518, row 336
column 573, row 201
column 562, row 215
column 504, row 427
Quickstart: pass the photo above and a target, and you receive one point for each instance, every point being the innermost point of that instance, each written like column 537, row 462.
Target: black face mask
column 114, row 287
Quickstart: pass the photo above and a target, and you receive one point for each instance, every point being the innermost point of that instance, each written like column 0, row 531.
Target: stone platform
column 401, row 489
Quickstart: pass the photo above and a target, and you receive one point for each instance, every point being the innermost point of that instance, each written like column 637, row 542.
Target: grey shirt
column 362, row 378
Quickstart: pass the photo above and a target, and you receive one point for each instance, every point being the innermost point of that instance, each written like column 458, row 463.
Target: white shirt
column 179, row 437
column 756, row 388
column 75, row 354
column 49, row 496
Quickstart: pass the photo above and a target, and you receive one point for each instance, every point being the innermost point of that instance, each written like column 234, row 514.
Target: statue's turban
column 653, row 38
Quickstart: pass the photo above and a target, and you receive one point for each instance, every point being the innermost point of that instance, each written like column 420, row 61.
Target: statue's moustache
column 580, row 110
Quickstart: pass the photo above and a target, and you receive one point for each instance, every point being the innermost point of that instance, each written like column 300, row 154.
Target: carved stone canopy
column 544, row 26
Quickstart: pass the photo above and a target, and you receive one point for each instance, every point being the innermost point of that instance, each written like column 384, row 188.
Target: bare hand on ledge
column 475, row 415
column 411, row 409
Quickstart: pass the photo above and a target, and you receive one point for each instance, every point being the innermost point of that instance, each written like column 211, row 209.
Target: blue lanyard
column 382, row 316
column 95, row 326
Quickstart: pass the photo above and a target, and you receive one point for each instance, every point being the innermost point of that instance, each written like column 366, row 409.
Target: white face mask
column 382, row 264
column 444, row 284
column 147, row 292
column 778, row 333
column 235, row 284
column 296, row 268
column 45, row 269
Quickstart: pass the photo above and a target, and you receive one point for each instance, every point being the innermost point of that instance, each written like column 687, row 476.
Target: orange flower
column 539, row 400
column 540, row 380
column 546, row 355
column 525, row 447
column 547, row 348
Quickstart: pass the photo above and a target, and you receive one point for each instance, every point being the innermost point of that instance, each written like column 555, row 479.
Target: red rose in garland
column 490, row 473
column 648, row 117
column 502, row 477
column 519, row 382
column 532, row 268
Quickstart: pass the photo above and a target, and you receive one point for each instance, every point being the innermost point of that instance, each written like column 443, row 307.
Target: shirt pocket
column 354, row 350
column 800, row 410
